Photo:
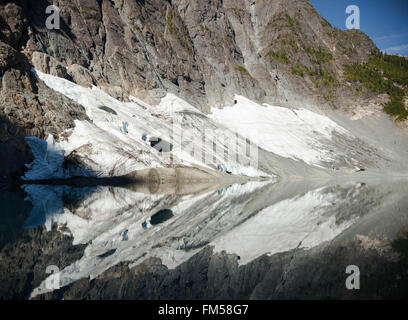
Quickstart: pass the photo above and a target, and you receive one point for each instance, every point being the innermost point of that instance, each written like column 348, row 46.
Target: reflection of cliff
column 14, row 212
column 23, row 262
column 203, row 51
column 297, row 274
column 248, row 221
column 172, row 259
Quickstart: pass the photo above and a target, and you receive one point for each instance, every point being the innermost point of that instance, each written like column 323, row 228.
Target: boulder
column 47, row 64
column 81, row 75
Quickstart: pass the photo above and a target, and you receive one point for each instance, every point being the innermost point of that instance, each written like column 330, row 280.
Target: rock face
column 42, row 61
column 277, row 51
column 28, row 106
column 204, row 51
column 297, row 274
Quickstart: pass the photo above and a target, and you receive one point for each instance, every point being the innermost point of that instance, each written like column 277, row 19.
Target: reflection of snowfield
column 112, row 220
column 113, row 212
column 303, row 222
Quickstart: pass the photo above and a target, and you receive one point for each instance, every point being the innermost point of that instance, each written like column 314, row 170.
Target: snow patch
column 300, row 222
column 298, row 134
column 48, row 159
column 112, row 143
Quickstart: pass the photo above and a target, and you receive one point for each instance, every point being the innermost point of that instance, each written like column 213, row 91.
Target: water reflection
column 249, row 220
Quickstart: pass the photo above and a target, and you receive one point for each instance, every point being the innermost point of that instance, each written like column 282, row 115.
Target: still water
column 260, row 240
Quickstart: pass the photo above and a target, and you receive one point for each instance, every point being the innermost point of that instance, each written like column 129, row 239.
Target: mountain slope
column 205, row 52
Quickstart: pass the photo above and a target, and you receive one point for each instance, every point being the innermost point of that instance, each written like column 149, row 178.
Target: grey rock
column 47, row 64
column 24, row 261
column 81, row 75
column 203, row 51
column 14, row 22
column 9, row 57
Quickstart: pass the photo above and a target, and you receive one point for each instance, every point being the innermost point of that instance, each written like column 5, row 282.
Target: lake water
column 261, row 240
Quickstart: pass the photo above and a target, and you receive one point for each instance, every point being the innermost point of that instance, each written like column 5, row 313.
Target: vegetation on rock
column 384, row 73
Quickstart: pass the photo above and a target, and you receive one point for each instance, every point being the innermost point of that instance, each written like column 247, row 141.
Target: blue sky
column 384, row 21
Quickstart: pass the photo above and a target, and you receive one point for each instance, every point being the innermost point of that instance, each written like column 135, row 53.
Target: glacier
column 257, row 138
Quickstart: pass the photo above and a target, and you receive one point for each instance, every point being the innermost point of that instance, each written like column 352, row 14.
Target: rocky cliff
column 280, row 52
column 204, row 51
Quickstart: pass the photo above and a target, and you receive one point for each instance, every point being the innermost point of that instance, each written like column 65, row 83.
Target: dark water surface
column 261, row 240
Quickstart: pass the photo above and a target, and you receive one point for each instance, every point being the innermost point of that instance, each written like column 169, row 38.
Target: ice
column 300, row 222
column 48, row 159
column 292, row 133
column 111, row 143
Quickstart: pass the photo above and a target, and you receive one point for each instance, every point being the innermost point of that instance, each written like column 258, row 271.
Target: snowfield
column 299, row 134
column 111, row 143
